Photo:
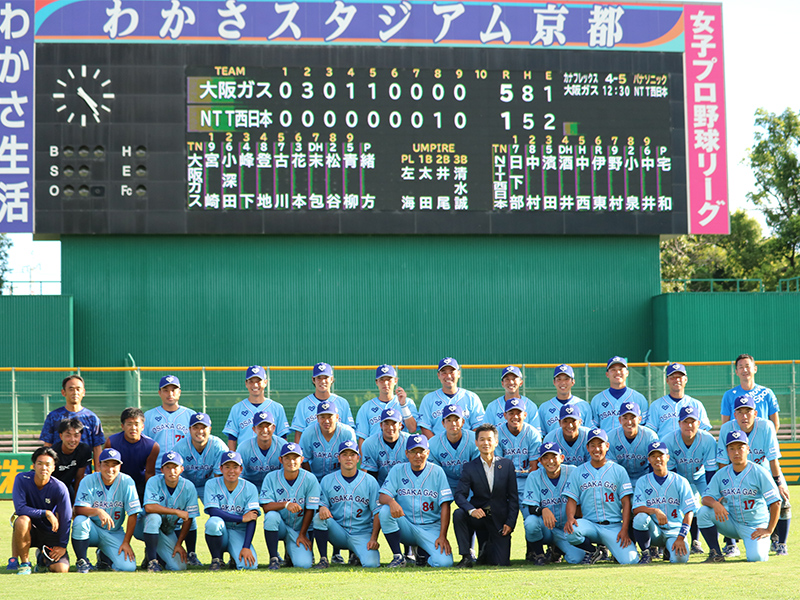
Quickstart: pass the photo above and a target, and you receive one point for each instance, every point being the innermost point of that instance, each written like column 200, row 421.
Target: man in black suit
column 491, row 513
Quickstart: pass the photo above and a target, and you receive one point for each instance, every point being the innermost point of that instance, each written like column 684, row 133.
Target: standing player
column 168, row 424
column 764, row 398
column 44, row 513
column 550, row 411
column 629, row 442
column 383, row 450
column 663, row 508
column 511, row 381
column 432, row 405
column 261, row 454
column 663, row 413
column 306, row 410
column 73, row 455
column 348, row 511
column 455, row 447
column 103, row 501
column 169, row 501
column 232, row 506
column 416, row 507
column 138, row 451
column 603, row 491
column 571, row 437
column 389, row 396
column 605, row 405
column 752, row 504
column 320, row 440
column 289, row 498
column 239, row 426
column 73, row 390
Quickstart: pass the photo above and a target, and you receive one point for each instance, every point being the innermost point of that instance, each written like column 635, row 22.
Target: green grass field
column 777, row 578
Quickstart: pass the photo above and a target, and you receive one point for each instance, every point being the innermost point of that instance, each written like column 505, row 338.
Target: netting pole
column 14, row 414
column 203, row 387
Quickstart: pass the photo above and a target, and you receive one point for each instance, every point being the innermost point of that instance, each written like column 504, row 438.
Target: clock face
column 84, row 95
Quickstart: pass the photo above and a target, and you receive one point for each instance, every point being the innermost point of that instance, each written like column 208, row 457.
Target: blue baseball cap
column 452, row 409
column 291, row 448
column 326, row 408
column 548, row 447
column 230, row 457
column 169, row 380
column 110, row 454
column 322, row 368
column 512, row 370
column 390, row 414
column 201, row 418
column 385, row 371
column 569, row 411
column 629, row 407
column 657, row 447
column 597, row 433
column 688, row 412
column 675, row 368
column 172, row 457
column 263, row 417
column 514, row 404
column 448, row 361
column 563, row 370
column 417, row 441
column 255, row 371
column 736, row 436
column 617, row 360
column 744, row 401
column 349, row 445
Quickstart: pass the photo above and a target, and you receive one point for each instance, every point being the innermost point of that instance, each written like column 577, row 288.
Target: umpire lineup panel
column 213, row 139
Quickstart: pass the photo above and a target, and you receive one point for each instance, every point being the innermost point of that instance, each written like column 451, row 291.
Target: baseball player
column 43, row 516
column 432, row 405
column 663, row 413
column 511, row 381
column 692, row 454
column 571, row 436
column 348, row 511
column 603, row 491
column 765, row 399
column 73, row 390
column 547, row 506
column 321, row 440
column 663, row 508
column 306, row 410
column 629, row 442
column 383, row 450
column 389, row 396
column 451, row 449
column 73, row 455
column 289, row 498
column 416, row 507
column 169, row 501
column 239, row 426
column 262, row 453
column 231, row 504
column 167, row 424
column 550, row 411
column 605, row 405
column 138, row 451
column 752, row 503
column 102, row 502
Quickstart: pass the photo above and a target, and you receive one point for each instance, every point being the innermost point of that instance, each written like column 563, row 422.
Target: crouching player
column 232, row 505
column 102, row 502
column 168, row 499
column 289, row 497
column 348, row 510
column 663, row 508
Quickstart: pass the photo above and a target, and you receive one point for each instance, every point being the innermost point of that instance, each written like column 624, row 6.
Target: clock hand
column 89, row 101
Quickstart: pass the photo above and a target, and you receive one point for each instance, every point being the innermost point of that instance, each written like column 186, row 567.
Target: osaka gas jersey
column 575, row 453
column 182, row 497
column 257, row 462
column 118, row 499
column 550, row 411
column 199, row 467
column 353, row 504
column 542, row 491
column 663, row 415
column 766, row 402
column 605, row 408
column 304, row 491
column 379, row 457
column 368, row 419
column 692, row 462
column 240, row 419
column 306, row 412
column 323, row 455
column 747, row 494
column 631, row 454
column 241, row 500
column 763, row 444
column 167, row 428
column 522, row 449
column 420, row 495
column 673, row 497
column 452, row 459
column 432, row 405
column 495, row 413
column 599, row 492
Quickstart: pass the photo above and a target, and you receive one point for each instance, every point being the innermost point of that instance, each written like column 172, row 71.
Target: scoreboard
column 187, row 134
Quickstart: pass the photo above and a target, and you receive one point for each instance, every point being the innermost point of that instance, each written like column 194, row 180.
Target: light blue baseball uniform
column 452, row 459
column 765, row 399
column 575, row 453
column 550, row 411
column 119, row 500
column 368, row 419
column 763, row 442
column 241, row 500
column 495, row 413
column 200, row 467
column 306, row 412
column 378, row 457
column 599, row 493
column 240, row 419
column 322, row 455
column 605, row 408
column 167, row 428
column 675, row 499
column 631, row 454
column 663, row 415
column 747, row 496
column 522, row 449
column 421, row 496
column 256, row 462
column 353, row 505
column 182, row 497
column 432, row 405
column 692, row 462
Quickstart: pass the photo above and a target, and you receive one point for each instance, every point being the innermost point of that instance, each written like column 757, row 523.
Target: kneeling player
column 168, row 498
column 348, row 511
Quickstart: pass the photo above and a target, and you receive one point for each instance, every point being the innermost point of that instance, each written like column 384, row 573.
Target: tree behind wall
column 5, row 244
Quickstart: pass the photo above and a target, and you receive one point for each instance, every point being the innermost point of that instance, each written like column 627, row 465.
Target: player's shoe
column 82, row 566
column 410, row 556
column 192, row 560
column 696, row 548
column 323, row 563
column 274, row 564
column 154, row 567
column 24, row 568
column 591, row 558
column 13, row 564
column 539, row 560
column 714, row 557
column 605, row 556
column 466, row 562
column 216, row 564
column 337, row 559
column 731, row 551
column 655, row 552
column 665, row 555
column 422, row 558
column 231, row 564
column 646, row 558
column 782, row 550
column 102, row 563
column 398, row 560
column 556, row 555
column 354, row 560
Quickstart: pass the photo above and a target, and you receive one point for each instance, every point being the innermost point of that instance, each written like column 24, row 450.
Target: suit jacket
column 503, row 499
